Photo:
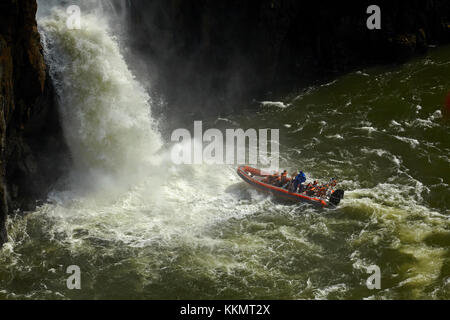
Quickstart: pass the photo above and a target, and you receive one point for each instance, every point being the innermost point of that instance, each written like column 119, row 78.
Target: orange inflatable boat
column 255, row 178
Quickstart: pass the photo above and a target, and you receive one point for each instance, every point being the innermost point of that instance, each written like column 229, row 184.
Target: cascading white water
column 105, row 112
column 133, row 188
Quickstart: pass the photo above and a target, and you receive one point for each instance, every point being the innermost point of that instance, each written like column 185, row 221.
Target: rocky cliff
column 209, row 55
column 32, row 150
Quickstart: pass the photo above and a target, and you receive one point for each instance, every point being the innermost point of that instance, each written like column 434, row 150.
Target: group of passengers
column 296, row 184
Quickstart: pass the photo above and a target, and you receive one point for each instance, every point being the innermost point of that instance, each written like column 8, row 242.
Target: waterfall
column 120, row 173
column 106, row 113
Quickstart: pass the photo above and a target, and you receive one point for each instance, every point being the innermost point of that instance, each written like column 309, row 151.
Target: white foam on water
column 122, row 187
column 393, row 207
column 369, row 129
column 430, row 122
column 412, row 142
column 384, row 154
column 275, row 104
column 336, row 136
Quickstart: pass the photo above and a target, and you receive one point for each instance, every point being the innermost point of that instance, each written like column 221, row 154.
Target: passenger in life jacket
column 333, row 182
column 278, row 181
column 290, row 182
column 275, row 179
column 322, row 191
column 314, row 188
column 308, row 189
column 298, row 182
column 271, row 179
column 284, row 178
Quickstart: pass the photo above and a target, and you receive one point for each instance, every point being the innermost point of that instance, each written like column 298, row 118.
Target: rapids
column 140, row 227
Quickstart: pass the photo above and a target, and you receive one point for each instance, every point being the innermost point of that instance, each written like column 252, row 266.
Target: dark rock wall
column 32, row 148
column 210, row 55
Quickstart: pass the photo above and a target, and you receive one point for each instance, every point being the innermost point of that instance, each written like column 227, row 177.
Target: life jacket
column 271, row 179
column 277, row 178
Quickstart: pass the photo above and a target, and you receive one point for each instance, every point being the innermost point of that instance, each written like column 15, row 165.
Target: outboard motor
column 336, row 197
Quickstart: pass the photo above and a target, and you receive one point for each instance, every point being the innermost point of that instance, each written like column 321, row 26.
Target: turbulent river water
column 141, row 228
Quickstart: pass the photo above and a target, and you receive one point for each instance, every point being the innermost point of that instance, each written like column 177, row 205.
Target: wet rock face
column 32, row 150
column 208, row 54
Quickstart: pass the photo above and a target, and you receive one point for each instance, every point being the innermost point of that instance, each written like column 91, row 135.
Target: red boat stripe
column 281, row 190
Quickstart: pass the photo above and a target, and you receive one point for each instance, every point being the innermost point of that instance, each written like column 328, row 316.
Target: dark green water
column 188, row 236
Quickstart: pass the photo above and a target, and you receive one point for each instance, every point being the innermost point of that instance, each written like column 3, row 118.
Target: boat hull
column 248, row 174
